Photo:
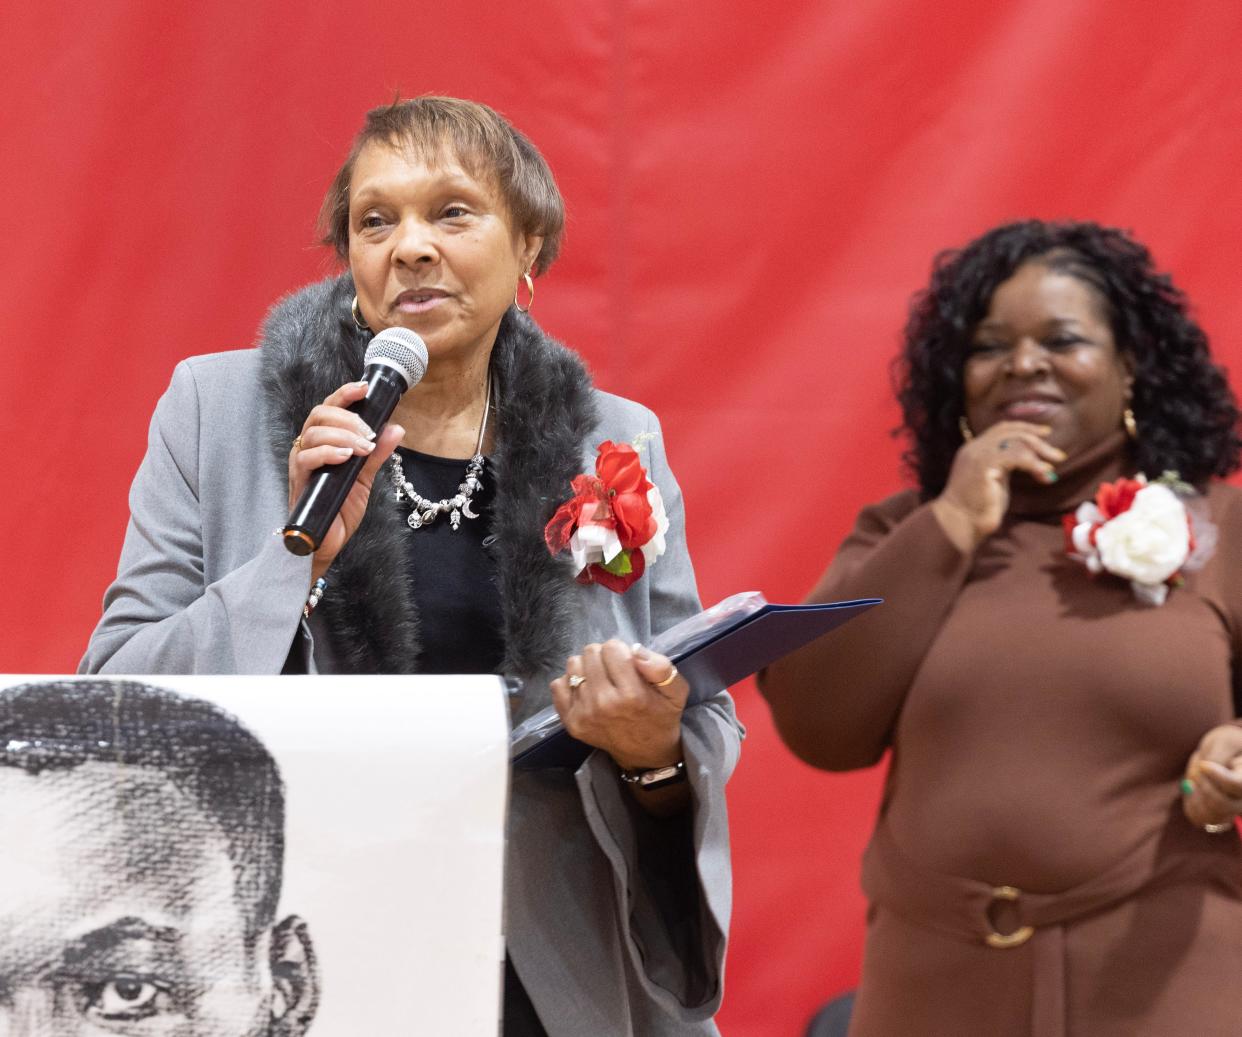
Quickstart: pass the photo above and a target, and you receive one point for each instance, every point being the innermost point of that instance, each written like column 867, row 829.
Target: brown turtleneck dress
column 1040, row 721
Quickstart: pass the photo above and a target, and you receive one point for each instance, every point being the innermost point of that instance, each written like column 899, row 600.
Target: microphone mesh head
column 401, row 349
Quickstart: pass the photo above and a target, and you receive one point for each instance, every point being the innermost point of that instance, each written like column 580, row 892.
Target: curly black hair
column 1187, row 415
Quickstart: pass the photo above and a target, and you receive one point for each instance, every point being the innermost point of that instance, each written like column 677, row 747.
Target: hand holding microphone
column 342, row 445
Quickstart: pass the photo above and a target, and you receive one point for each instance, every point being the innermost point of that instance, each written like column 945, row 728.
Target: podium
column 326, row 851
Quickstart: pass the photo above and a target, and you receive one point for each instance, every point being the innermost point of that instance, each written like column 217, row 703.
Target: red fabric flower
column 1068, row 522
column 617, row 583
column 588, row 504
column 616, row 499
column 1113, row 498
column 620, row 470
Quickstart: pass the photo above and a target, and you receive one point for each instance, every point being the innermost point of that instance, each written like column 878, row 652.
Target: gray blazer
column 605, row 936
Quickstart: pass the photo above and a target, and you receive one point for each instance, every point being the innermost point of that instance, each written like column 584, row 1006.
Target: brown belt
column 965, row 907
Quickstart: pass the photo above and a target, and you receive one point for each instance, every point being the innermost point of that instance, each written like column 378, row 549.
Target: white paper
column 395, row 795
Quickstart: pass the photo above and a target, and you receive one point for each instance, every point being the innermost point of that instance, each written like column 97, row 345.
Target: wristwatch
column 657, row 777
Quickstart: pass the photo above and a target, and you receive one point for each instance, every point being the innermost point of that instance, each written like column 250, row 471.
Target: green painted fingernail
column 1188, row 786
column 1053, row 477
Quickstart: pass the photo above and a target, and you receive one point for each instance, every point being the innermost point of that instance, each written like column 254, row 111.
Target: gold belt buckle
column 1016, row 938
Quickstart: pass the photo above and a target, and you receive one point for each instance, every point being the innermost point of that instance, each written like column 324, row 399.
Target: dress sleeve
column 672, row 879
column 1229, row 545
column 836, row 701
column 160, row 614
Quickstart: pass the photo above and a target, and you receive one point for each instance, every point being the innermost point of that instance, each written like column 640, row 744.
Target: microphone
column 395, row 360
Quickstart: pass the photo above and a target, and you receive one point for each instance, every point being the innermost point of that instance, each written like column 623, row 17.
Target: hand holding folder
column 714, row 649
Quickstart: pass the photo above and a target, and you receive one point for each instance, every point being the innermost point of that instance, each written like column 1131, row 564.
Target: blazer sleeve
column 836, row 701
column 672, row 878
column 161, row 615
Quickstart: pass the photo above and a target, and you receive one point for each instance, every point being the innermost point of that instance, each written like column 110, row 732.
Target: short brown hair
column 483, row 141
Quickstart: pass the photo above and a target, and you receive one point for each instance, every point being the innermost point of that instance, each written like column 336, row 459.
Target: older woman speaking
column 1058, row 667
column 618, row 892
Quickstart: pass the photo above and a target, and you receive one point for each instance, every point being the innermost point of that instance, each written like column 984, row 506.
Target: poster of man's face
column 172, row 869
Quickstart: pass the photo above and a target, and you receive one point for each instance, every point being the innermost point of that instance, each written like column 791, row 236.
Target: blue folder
column 713, row 650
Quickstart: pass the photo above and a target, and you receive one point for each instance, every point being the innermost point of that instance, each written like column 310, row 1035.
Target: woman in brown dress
column 1058, row 665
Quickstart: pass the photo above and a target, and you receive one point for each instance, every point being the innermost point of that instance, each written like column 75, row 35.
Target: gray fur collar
column 547, row 411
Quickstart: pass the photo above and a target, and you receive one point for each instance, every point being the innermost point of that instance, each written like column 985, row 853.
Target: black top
column 453, row 572
column 454, row 579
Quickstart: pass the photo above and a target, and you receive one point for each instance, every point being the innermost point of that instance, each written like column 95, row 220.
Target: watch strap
column 656, row 777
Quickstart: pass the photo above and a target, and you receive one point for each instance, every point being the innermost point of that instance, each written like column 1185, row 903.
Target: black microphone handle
column 327, row 487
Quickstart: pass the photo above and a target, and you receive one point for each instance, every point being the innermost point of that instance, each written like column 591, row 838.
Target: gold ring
column 297, row 441
column 672, row 676
column 576, row 680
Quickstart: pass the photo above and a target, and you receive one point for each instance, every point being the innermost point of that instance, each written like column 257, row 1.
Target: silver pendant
column 424, row 512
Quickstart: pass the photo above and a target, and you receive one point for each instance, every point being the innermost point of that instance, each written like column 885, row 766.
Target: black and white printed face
column 118, row 912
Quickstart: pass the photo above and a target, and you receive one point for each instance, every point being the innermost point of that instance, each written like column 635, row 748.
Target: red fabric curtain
column 753, row 192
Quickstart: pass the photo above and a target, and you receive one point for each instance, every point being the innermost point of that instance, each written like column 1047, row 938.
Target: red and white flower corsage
column 614, row 524
column 1141, row 531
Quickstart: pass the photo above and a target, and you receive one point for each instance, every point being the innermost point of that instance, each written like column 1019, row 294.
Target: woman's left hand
column 1212, row 788
column 619, row 706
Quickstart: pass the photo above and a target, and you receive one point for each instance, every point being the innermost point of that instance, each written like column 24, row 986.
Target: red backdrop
column 753, row 192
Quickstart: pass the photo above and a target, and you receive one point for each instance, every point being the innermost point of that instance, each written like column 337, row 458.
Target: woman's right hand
column 331, row 434
column 974, row 501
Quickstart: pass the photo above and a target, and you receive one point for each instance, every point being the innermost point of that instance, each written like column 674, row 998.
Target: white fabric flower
column 1085, row 518
column 593, row 543
column 654, row 547
column 1150, row 541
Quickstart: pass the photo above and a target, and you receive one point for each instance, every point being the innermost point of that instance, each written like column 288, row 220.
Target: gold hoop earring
column 963, row 426
column 530, row 287
column 359, row 323
column 1131, row 426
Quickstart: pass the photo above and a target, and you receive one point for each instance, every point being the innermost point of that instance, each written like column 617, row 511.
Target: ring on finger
column 575, row 680
column 672, row 676
column 297, row 441
column 1003, row 445
column 1218, row 828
